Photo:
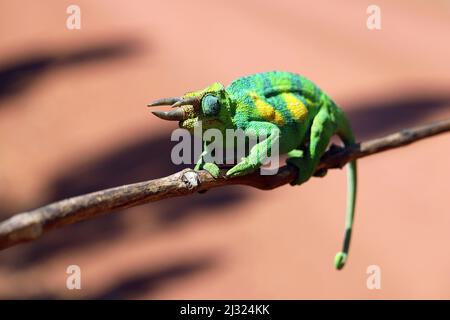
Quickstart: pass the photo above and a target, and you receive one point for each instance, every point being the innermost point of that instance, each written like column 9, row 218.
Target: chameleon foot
column 242, row 168
column 212, row 168
column 303, row 169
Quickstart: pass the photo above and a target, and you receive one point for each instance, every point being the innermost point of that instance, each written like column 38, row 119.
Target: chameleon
column 288, row 109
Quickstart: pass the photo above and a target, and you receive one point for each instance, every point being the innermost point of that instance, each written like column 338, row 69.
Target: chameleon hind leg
column 298, row 153
column 322, row 130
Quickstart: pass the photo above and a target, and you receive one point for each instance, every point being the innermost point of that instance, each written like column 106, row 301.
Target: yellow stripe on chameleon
column 296, row 106
column 266, row 111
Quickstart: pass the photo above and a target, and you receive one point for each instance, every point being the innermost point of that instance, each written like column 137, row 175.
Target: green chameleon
column 287, row 109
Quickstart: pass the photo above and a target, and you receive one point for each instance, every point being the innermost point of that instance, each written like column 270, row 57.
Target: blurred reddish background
column 73, row 120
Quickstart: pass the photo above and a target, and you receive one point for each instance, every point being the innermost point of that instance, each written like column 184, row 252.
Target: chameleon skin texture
column 286, row 108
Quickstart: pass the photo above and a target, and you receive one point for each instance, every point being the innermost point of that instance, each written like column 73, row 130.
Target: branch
column 33, row 224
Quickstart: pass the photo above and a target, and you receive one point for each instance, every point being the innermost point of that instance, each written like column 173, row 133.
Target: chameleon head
column 210, row 108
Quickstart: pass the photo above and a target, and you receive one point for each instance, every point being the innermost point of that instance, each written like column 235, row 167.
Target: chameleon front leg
column 212, row 168
column 201, row 161
column 322, row 130
column 259, row 152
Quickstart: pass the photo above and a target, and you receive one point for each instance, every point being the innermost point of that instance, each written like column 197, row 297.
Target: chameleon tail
column 346, row 135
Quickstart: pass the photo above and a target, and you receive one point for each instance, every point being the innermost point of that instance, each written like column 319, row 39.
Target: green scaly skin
column 301, row 114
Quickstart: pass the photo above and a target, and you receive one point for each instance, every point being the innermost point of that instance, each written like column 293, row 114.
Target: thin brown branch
column 33, row 224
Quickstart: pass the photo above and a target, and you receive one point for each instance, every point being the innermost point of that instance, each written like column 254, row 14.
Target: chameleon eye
column 210, row 105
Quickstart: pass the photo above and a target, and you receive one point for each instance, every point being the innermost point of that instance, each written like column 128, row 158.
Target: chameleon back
column 285, row 99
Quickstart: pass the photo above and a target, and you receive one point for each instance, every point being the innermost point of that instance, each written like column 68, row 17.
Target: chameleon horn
column 163, row 102
column 190, row 100
column 173, row 115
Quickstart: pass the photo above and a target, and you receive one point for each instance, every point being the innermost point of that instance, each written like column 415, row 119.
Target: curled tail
column 346, row 135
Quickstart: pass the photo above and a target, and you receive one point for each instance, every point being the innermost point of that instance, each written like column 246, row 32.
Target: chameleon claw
column 233, row 173
column 213, row 169
column 241, row 169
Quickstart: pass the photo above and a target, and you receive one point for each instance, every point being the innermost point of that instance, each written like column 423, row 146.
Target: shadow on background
column 375, row 118
column 138, row 161
column 141, row 282
column 148, row 282
column 18, row 74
